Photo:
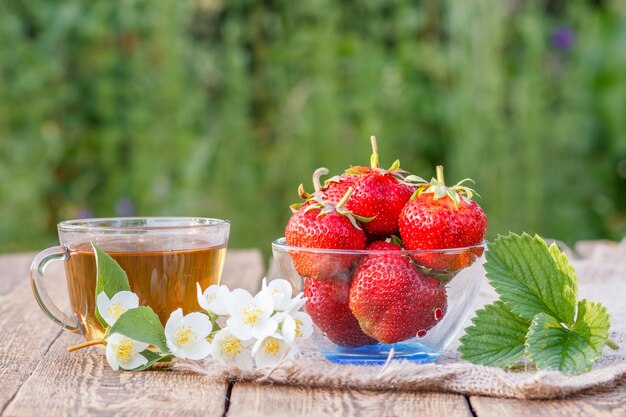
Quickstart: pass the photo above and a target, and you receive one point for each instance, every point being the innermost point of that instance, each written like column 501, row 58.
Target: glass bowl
column 367, row 305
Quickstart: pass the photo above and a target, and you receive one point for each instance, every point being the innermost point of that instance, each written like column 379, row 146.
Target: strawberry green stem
column 345, row 198
column 316, row 177
column 439, row 172
column 374, row 157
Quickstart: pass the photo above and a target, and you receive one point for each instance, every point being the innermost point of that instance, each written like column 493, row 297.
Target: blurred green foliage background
column 221, row 108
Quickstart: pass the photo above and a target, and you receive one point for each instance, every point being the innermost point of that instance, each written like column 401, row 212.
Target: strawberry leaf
column 532, row 278
column 295, row 207
column 415, row 179
column 440, row 192
column 362, row 219
column 352, row 220
column 395, row 240
column 395, row 166
column 358, row 170
column 336, row 178
column 495, row 338
column 538, row 292
column 553, row 346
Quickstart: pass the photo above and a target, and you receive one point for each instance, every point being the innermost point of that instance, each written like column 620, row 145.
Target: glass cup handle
column 37, row 269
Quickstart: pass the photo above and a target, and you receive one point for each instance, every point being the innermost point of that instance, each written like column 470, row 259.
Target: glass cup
column 163, row 257
column 370, row 305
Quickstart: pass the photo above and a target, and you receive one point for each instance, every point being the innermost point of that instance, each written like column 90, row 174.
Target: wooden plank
column 273, row 271
column 600, row 249
column 82, row 384
column 26, row 333
column 256, row 400
column 243, row 268
column 602, row 404
column 54, row 382
column 13, row 271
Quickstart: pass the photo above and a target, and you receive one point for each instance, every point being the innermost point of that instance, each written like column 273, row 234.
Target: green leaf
column 395, row 166
column 143, row 325
column 538, row 292
column 111, row 278
column 553, row 346
column 415, row 178
column 562, row 264
column 531, row 278
column 353, row 221
column 395, row 240
column 593, row 319
column 362, row 219
column 335, row 178
column 495, row 338
column 152, row 358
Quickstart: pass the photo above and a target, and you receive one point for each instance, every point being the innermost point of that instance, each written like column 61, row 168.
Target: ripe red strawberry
column 327, row 304
column 393, row 301
column 333, row 190
column 384, row 245
column 323, row 225
column 438, row 217
column 380, row 194
column 336, row 187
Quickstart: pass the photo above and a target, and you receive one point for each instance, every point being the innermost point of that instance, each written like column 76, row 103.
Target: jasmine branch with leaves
column 234, row 327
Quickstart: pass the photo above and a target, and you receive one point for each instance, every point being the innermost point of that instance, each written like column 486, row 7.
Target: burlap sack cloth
column 602, row 277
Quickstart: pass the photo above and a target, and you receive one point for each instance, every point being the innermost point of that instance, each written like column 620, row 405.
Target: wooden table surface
column 38, row 377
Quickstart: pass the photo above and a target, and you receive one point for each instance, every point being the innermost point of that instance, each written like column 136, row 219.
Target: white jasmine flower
column 230, row 349
column 186, row 335
column 124, row 352
column 270, row 350
column 281, row 292
column 214, row 299
column 297, row 326
column 295, row 303
column 251, row 317
column 112, row 309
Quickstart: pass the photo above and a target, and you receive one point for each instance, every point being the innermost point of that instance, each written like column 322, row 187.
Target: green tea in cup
column 163, row 257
